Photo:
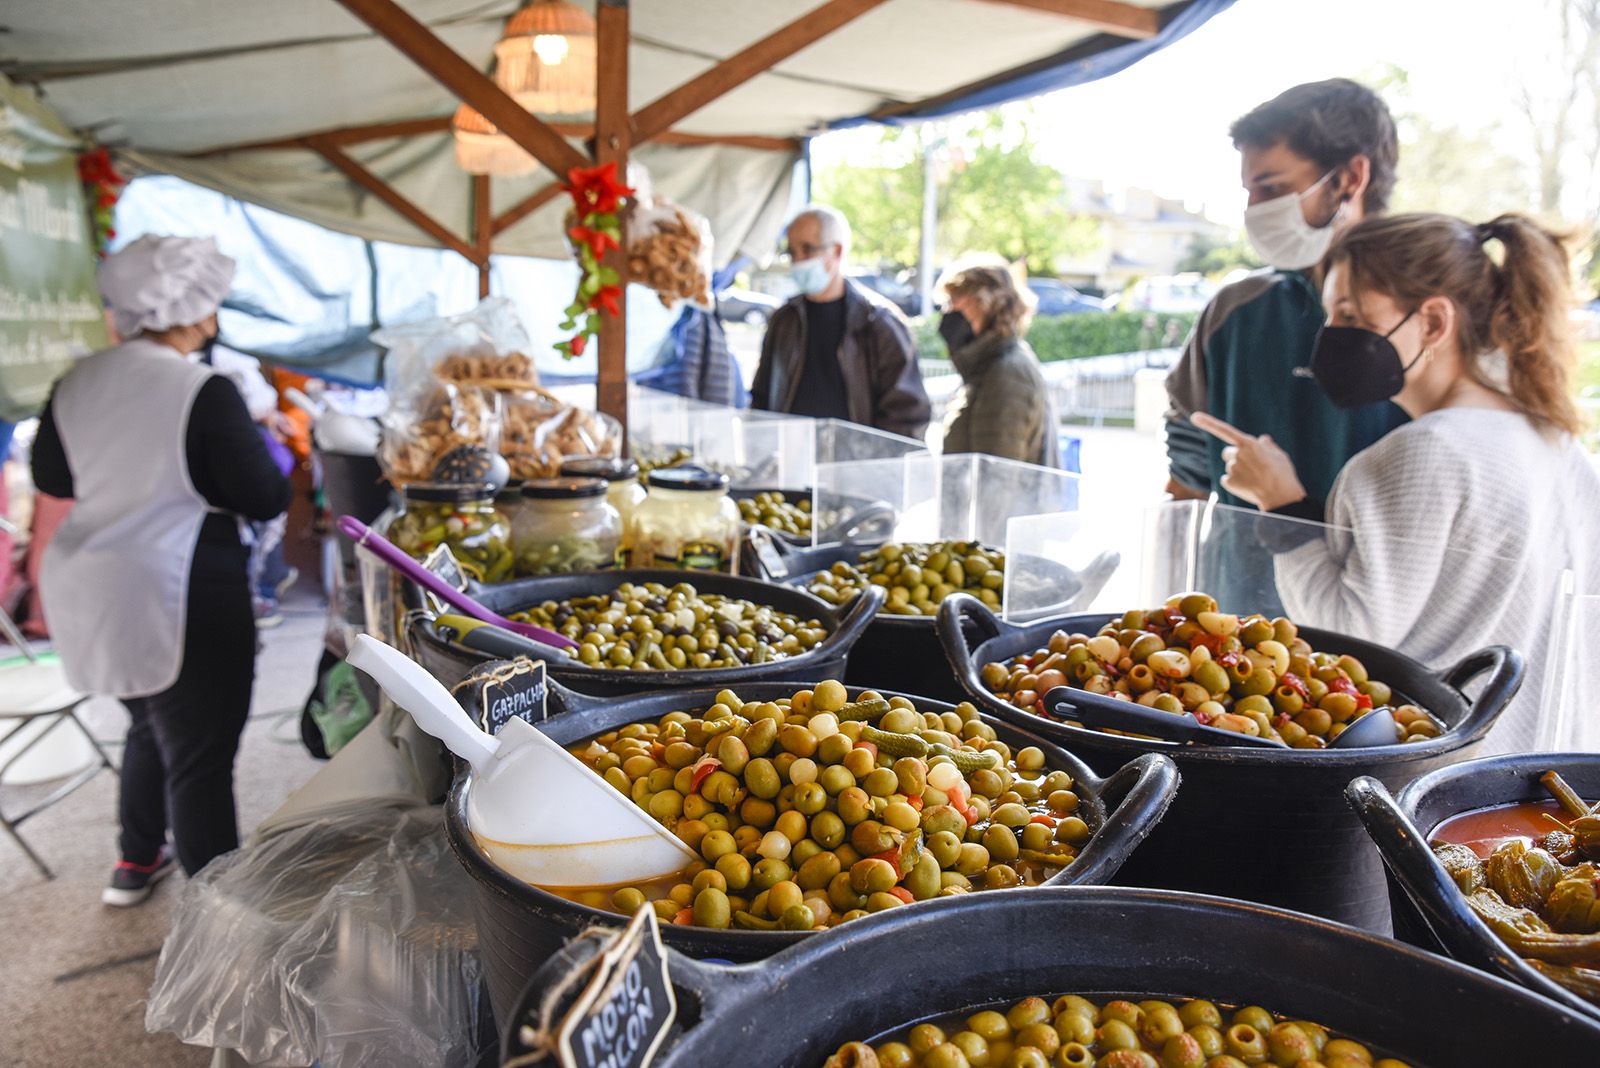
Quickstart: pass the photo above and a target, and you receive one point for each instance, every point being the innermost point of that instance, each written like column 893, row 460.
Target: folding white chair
column 35, row 695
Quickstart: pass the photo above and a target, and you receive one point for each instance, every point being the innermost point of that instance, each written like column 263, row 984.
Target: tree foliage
column 992, row 196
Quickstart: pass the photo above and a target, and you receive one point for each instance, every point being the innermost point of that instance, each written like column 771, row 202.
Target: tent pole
column 482, row 229
column 613, row 139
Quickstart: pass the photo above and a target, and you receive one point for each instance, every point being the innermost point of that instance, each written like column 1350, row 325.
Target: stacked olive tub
column 820, row 655
column 1265, row 824
column 1273, row 985
column 901, row 648
column 807, row 829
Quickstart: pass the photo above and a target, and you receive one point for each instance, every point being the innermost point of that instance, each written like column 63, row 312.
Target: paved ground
column 73, row 973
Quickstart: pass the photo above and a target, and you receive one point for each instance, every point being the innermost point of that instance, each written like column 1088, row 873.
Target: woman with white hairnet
column 145, row 584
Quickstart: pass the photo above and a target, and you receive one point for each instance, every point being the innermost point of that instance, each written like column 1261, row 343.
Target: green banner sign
column 50, row 310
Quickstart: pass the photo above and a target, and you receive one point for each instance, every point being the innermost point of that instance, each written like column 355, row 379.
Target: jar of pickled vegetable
column 622, row 488
column 687, row 520
column 508, row 502
column 460, row 516
column 566, row 524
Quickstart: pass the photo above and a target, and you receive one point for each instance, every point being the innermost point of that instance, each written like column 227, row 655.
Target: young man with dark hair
column 1315, row 159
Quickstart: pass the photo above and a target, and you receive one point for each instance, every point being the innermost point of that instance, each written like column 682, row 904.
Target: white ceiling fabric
column 165, row 80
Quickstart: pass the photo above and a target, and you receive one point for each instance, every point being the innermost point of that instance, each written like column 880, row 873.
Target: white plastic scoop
column 537, row 810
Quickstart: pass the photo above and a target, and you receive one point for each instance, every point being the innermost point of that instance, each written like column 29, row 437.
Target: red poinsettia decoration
column 102, row 185
column 597, row 197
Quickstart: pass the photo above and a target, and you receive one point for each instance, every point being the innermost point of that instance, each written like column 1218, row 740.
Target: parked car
column 895, row 290
column 746, row 306
column 1169, row 293
column 1057, row 298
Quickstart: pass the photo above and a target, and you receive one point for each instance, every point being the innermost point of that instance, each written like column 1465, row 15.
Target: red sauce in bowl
column 1485, row 830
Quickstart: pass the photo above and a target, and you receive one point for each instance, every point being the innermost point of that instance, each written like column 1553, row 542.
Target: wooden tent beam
column 390, row 196
column 612, row 143
column 383, row 131
column 466, row 82
column 1107, row 16
column 664, row 112
column 524, row 207
column 482, row 229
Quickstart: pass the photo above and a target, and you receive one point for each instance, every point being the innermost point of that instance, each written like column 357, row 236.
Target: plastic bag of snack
column 482, row 346
column 429, row 421
column 669, row 249
column 536, row 430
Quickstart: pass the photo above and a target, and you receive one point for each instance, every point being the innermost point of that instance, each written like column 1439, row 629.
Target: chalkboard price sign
column 503, row 690
column 622, row 1016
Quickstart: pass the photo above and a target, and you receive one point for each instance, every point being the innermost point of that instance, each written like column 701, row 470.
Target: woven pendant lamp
column 546, row 58
column 482, row 149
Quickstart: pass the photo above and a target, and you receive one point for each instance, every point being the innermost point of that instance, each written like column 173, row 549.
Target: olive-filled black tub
column 1266, row 825
column 904, row 652
column 1428, row 908
column 958, row 954
column 450, row 663
column 857, row 519
column 520, row 925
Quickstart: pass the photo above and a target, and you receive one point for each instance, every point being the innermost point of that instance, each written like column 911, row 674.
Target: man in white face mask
column 838, row 350
column 1315, row 159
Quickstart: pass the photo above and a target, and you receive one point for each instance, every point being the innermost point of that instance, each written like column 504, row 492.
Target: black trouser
column 177, row 769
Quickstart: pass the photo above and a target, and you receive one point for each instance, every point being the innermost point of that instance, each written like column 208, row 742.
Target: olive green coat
column 1004, row 407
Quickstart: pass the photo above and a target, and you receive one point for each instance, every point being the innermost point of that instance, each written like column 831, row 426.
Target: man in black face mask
column 1316, row 159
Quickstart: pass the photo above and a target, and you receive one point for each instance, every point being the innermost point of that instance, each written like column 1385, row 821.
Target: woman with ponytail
column 1453, row 531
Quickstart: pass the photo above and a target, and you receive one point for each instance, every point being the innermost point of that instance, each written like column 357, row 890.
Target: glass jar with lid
column 622, row 488
column 621, row 475
column 508, row 501
column 687, row 520
column 565, row 525
column 462, row 516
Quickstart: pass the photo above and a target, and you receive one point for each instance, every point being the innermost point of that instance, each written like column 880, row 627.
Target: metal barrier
column 1100, row 389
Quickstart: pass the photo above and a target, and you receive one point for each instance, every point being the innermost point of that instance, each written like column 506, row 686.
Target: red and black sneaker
column 131, row 883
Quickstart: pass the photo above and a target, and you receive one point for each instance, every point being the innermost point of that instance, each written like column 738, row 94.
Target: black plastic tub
column 858, row 519
column 1428, row 908
column 958, row 954
column 1266, row 825
column 904, row 652
column 450, row 663
column 520, row 925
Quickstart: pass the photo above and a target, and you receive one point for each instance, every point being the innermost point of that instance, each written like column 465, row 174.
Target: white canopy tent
column 337, row 111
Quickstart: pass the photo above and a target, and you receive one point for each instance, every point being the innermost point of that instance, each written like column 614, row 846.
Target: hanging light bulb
column 551, row 48
column 482, row 149
column 546, row 58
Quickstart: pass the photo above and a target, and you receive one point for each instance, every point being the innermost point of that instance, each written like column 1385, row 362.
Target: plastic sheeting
column 348, row 943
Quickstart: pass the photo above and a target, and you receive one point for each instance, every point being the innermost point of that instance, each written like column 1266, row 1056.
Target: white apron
column 115, row 578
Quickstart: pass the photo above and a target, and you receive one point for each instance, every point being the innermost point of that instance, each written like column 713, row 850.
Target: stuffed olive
column 653, row 627
column 1077, row 1032
column 1248, row 674
column 917, row 576
column 814, row 809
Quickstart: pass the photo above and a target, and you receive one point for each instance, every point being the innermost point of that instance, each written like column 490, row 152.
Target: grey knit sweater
column 1456, row 531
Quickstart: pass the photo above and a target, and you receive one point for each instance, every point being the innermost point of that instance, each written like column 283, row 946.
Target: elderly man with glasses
column 838, row 350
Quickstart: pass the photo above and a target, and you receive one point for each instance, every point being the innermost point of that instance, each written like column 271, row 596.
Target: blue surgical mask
column 812, row 276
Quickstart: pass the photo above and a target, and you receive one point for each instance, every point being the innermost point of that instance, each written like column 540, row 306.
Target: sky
column 1162, row 124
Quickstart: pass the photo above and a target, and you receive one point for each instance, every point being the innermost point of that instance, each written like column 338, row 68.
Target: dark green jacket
column 1246, row 363
column 1004, row 406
